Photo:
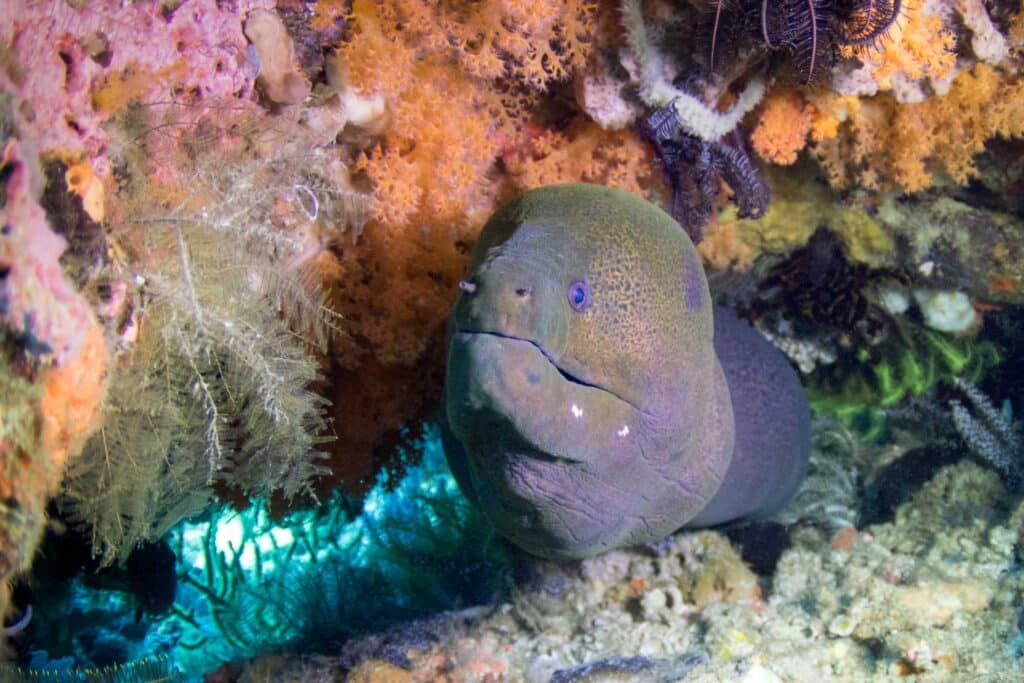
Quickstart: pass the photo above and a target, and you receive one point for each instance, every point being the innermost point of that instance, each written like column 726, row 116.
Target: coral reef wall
column 54, row 363
column 250, row 218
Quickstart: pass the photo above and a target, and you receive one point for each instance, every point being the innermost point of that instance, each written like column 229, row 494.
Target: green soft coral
column 882, row 377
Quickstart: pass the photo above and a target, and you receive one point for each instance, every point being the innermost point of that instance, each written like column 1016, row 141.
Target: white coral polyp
column 945, row 311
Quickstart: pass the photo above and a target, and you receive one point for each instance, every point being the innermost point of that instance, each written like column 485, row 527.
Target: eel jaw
column 506, row 393
column 566, row 375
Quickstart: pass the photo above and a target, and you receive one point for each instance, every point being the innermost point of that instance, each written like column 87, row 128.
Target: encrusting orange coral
column 68, row 412
column 71, row 399
column 53, row 372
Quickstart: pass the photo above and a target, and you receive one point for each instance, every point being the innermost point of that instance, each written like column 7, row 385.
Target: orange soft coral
column 918, row 45
column 584, row 152
column 912, row 111
column 532, row 43
column 782, row 128
column 884, row 144
column 436, row 65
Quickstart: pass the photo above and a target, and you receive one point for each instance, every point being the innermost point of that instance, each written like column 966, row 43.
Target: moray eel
column 594, row 397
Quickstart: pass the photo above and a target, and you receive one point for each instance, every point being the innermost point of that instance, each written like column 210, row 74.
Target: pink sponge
column 35, row 299
column 63, row 56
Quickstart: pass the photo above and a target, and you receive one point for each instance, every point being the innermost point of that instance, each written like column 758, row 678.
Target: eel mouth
column 565, row 374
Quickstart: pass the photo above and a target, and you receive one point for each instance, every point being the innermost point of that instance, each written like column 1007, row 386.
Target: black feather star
column 694, row 167
column 810, row 31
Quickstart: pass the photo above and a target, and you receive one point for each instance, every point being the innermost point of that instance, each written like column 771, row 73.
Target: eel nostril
column 467, row 286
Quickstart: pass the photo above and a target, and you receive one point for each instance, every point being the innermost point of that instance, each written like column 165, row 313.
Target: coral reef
column 887, row 145
column 800, row 205
column 39, row 305
column 253, row 208
column 952, row 245
column 216, row 392
column 359, row 180
column 72, row 66
column 692, row 115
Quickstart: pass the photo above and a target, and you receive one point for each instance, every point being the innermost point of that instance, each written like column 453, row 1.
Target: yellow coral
column 800, row 204
column 723, row 247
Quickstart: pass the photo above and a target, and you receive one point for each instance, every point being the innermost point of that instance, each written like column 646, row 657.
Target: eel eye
column 579, row 295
